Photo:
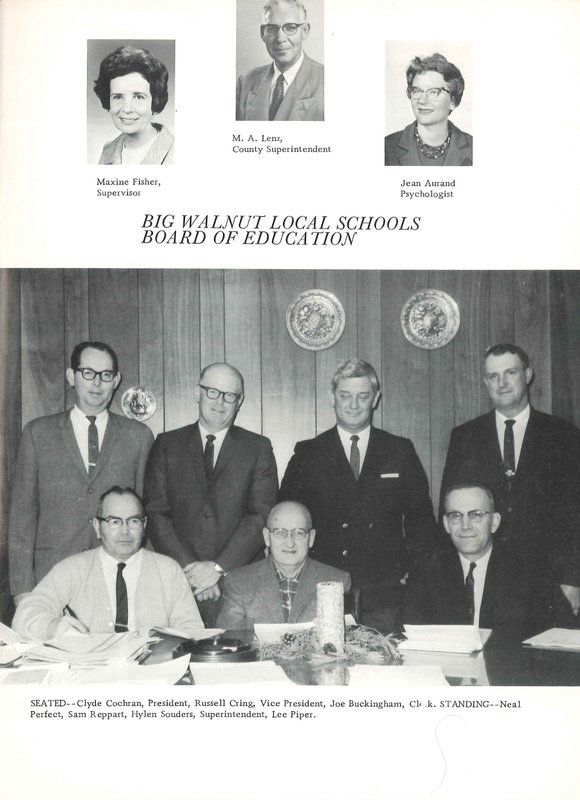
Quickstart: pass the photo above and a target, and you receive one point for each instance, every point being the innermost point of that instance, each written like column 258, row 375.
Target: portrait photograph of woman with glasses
column 132, row 85
column 435, row 89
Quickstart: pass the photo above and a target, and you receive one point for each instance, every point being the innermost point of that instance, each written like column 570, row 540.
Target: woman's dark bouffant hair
column 437, row 63
column 133, row 59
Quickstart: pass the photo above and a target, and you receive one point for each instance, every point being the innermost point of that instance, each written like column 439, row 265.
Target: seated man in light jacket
column 116, row 587
column 282, row 588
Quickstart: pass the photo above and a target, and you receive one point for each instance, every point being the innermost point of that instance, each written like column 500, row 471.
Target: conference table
column 504, row 661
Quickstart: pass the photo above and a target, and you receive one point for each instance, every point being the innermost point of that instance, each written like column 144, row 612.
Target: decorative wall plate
column 315, row 319
column 430, row 319
column 139, row 403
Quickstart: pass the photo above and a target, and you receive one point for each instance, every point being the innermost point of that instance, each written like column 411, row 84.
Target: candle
column 330, row 615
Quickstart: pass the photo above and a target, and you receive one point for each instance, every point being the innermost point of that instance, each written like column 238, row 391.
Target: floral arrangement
column 362, row 646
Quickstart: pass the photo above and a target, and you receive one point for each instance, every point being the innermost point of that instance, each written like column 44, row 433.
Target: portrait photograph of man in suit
column 290, row 87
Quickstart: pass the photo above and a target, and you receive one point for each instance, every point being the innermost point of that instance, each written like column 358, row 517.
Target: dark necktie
column 509, row 454
column 355, row 457
column 122, row 618
column 277, row 97
column 208, row 456
column 93, row 445
column 469, row 591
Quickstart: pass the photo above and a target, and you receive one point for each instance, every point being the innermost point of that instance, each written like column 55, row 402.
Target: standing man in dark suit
column 65, row 463
column 368, row 496
column 531, row 463
column 292, row 86
column 473, row 582
column 209, row 488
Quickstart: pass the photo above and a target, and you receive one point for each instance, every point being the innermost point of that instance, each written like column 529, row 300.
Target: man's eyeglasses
column 116, row 523
column 213, row 394
column 476, row 516
column 432, row 94
column 296, row 533
column 106, row 375
column 289, row 28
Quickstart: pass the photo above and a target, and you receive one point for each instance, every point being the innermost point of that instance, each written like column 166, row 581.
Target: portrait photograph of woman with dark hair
column 132, row 85
column 435, row 88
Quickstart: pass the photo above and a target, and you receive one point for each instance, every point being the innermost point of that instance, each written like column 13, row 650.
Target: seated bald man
column 118, row 586
column 282, row 588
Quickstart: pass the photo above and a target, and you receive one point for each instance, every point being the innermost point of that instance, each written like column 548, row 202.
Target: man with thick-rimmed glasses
column 209, row 488
column 291, row 87
column 283, row 587
column 65, row 462
column 116, row 587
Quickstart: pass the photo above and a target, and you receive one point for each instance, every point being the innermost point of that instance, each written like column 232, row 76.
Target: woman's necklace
column 432, row 152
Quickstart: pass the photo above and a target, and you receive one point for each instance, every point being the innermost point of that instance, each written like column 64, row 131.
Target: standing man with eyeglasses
column 292, row 86
column 283, row 587
column 209, row 488
column 65, row 462
column 531, row 463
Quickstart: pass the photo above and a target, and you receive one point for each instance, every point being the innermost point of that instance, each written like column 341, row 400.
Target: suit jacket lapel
column 530, row 448
column 458, row 148
column 194, row 456
column 338, row 463
column 227, row 450
column 373, row 453
column 457, row 597
column 298, row 96
column 109, row 443
column 490, row 440
column 488, row 599
column 258, row 102
column 70, row 442
column 270, row 594
column 407, row 155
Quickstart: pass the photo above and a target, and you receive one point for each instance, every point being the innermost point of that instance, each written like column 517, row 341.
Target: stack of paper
column 165, row 674
column 444, row 638
column 556, row 639
column 89, row 649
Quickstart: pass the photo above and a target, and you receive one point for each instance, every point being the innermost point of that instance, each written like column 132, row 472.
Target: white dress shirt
column 478, row 580
column 81, row 424
column 519, row 429
column 363, row 442
column 131, row 576
column 289, row 75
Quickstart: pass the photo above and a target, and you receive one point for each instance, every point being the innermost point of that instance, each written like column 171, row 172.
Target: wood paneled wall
column 166, row 324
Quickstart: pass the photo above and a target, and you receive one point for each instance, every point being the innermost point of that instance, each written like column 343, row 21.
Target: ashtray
column 217, row 650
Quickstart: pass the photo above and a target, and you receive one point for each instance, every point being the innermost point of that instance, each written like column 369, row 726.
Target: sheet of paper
column 165, row 674
column 470, row 666
column 443, row 638
column 556, row 638
column 206, row 633
column 8, row 635
column 253, row 672
column 368, row 675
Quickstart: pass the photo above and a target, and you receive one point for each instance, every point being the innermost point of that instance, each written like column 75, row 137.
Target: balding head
column 289, row 535
column 289, row 514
